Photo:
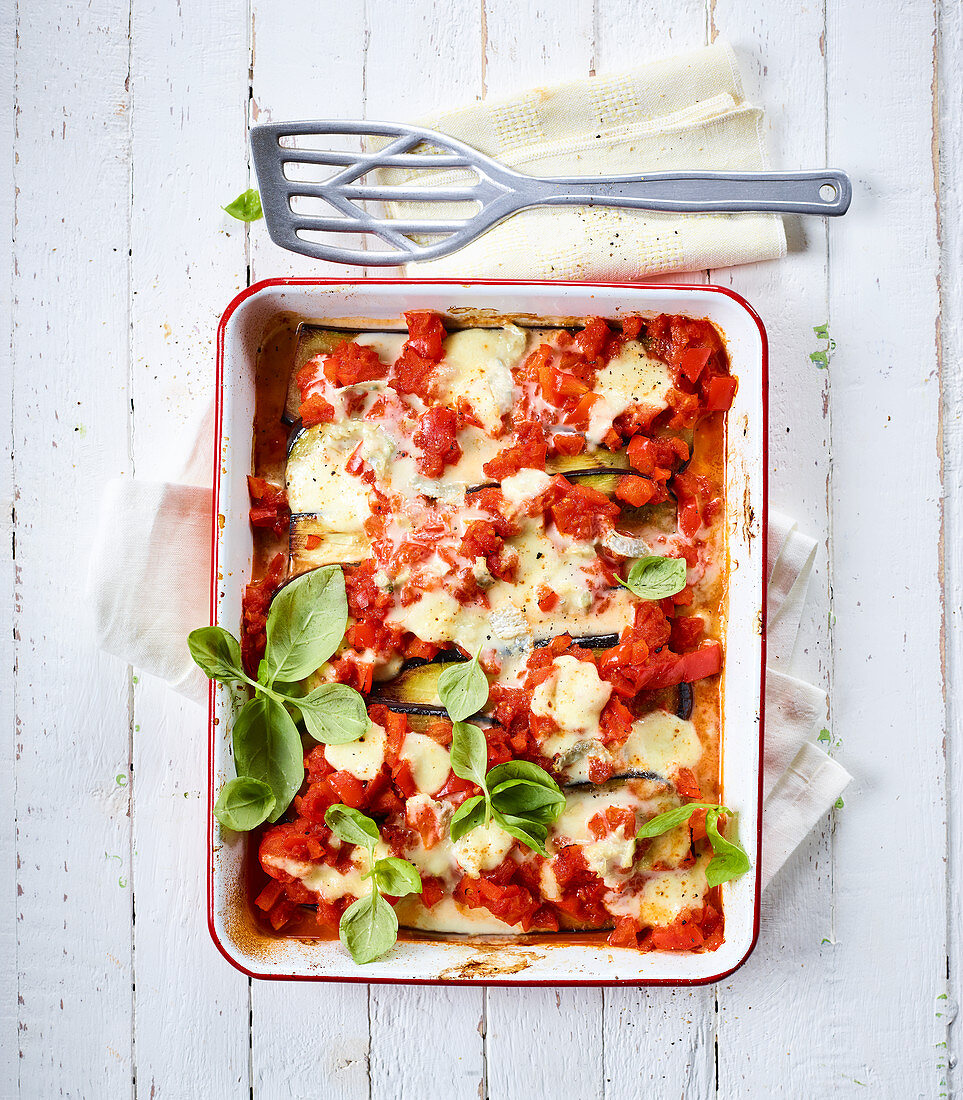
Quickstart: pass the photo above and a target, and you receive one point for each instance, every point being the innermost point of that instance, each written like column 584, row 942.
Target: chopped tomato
column 352, row 363
column 568, row 444
column 423, row 350
column 686, row 785
column 437, row 439
column 269, row 505
column 634, row 490
column 349, row 788
column 684, row 934
column 581, row 511
column 315, row 410
column 254, row 610
column 528, row 452
column 547, row 598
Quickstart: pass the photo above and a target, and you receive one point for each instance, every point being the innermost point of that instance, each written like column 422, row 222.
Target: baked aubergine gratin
column 485, row 634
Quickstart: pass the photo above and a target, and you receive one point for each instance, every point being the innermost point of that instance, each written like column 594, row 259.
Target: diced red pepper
column 635, row 490
column 720, row 392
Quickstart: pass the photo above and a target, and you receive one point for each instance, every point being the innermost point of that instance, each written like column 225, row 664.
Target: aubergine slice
column 312, row 545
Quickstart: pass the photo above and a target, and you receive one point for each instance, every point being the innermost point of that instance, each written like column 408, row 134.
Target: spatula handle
column 827, row 193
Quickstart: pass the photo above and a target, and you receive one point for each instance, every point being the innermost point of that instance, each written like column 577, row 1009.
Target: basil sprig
column 522, row 798
column 246, row 207
column 654, row 578
column 729, row 859
column 463, row 688
column 305, row 626
column 369, row 926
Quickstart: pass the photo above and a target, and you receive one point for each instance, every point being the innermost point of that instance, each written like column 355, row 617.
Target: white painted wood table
column 127, row 120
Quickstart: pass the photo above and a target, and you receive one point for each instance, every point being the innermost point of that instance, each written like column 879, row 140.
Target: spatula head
column 310, row 190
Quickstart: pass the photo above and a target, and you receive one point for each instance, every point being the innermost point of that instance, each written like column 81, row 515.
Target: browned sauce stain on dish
column 480, row 969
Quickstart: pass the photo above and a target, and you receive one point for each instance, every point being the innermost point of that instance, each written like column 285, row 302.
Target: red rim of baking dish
column 264, row 284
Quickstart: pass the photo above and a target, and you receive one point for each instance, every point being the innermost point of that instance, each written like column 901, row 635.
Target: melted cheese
column 448, row 916
column 482, row 849
column 328, row 881
column 525, row 485
column 659, row 742
column 664, row 895
column 317, row 480
column 430, row 762
column 568, row 568
column 362, row 758
column 631, row 377
column 388, row 345
column 573, row 696
column 477, row 368
column 662, row 743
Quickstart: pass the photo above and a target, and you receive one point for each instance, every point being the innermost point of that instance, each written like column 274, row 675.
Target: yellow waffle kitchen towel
column 684, row 112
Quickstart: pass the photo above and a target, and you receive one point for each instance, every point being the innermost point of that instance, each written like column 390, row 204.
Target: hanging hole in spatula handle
column 827, row 193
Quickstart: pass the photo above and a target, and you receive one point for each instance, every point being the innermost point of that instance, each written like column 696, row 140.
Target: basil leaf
column 469, row 753
column 397, row 877
column 351, row 826
column 531, row 833
column 729, row 860
column 305, row 625
column 244, row 803
column 267, row 746
column 334, row 714
column 654, row 578
column 463, row 689
column 469, row 815
column 368, row 928
column 662, row 823
column 217, row 653
column 523, row 798
column 246, row 207
column 521, row 769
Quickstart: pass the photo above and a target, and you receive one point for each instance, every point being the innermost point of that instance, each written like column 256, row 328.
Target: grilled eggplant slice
column 312, row 545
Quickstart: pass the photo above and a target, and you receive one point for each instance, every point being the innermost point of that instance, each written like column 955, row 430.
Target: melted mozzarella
column 317, row 480
column 664, row 895
column 388, row 345
column 661, row 742
column 482, row 849
column 430, row 762
column 448, row 916
column 573, row 696
column 328, row 881
column 631, row 378
column 513, row 612
column 525, row 485
column 477, row 368
column 362, row 758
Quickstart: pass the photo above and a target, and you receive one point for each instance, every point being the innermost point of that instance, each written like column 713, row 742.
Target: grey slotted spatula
column 497, row 192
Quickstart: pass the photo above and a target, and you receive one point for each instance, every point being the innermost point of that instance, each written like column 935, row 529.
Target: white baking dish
column 521, row 960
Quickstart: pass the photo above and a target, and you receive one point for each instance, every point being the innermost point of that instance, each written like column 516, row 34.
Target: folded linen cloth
column 149, row 578
column 684, row 112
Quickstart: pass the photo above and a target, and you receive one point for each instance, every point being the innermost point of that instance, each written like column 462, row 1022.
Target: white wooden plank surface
column 307, row 62
column 762, row 1051
column 662, row 1040
column 70, row 347
column 567, row 1019
column 185, row 165
column 439, row 53
column 888, row 683
column 9, row 1070
column 855, row 1015
column 950, row 120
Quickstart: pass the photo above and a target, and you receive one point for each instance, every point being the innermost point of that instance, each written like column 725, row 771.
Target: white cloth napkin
column 149, row 579
column 684, row 112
